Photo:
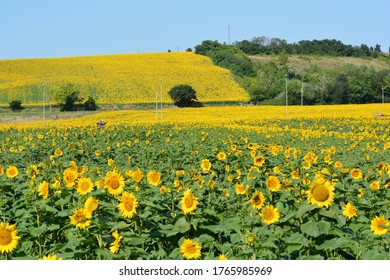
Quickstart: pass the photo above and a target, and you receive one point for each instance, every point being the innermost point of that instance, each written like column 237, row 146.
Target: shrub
column 16, row 105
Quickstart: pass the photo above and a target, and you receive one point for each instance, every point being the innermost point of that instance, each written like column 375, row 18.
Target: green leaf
column 304, row 209
column 182, row 225
column 297, row 238
column 38, row 231
column 119, row 225
column 335, row 243
column 64, row 213
column 315, row 229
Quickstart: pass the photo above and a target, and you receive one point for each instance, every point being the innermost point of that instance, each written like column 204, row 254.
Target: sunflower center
column 114, row 184
column 128, row 205
column 188, row 201
column 268, row 215
column 5, row 237
column 256, row 200
column 191, row 249
column 320, row 193
column 84, row 186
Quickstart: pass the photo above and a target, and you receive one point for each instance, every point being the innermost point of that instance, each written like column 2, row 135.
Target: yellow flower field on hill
column 117, row 79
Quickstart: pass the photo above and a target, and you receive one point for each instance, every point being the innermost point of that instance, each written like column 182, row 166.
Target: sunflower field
column 117, row 79
column 249, row 184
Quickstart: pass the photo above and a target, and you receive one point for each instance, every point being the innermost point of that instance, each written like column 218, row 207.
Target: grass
column 303, row 62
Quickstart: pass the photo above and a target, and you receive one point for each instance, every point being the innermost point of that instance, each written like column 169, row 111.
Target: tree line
column 265, row 45
column 266, row 81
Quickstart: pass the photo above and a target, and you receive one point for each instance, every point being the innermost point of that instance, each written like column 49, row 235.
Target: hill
column 304, row 62
column 117, row 79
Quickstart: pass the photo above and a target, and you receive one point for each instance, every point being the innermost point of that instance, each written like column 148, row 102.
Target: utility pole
column 43, row 102
column 286, row 98
column 302, row 94
column 156, row 105
column 161, row 99
column 383, row 95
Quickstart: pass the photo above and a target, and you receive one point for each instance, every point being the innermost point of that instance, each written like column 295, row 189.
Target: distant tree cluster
column 265, row 45
column 226, row 56
column 265, row 82
column 68, row 98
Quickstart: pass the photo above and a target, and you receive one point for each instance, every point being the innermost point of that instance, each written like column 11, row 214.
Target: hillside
column 117, row 79
column 303, row 62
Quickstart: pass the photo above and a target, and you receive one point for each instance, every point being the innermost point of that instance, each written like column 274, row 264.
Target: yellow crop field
column 117, row 79
column 238, row 183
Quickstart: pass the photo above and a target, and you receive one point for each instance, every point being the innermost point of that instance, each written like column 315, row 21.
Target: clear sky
column 43, row 28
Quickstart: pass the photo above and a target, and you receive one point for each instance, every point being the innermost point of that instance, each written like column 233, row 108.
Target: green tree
column 16, row 105
column 67, row 96
column 183, row 95
column 90, row 104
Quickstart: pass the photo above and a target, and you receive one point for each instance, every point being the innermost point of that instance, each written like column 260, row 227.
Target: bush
column 183, row 96
column 90, row 104
column 67, row 97
column 16, row 105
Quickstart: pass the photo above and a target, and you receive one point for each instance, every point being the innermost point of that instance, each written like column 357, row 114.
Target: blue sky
column 38, row 28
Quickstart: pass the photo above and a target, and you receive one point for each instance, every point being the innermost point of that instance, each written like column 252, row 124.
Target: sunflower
column 137, row 175
column 320, row 193
column 12, row 172
column 206, row 165
column 379, row 225
column 259, row 161
column 128, row 205
column 257, row 200
column 80, row 218
column 190, row 249
column 9, row 239
column 349, row 211
column 114, row 248
column 84, row 186
column 221, row 156
column 154, row 178
column 70, row 175
column 356, row 173
column 114, row 183
column 189, row 202
column 270, row 214
column 375, row 185
column 58, row 152
column 51, row 258
column 90, row 205
column 273, row 183
column 240, row 190
column 43, row 189
column 1, row 170
column 222, row 257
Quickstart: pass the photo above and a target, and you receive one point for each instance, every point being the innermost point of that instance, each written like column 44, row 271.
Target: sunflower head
column 12, row 172
column 270, row 214
column 80, row 218
column 154, row 178
column 43, row 189
column 190, row 249
column 137, row 175
column 379, row 225
column 114, row 183
column 321, row 193
column 356, row 173
column 257, row 200
column 273, row 183
column 84, row 186
column 206, row 165
column 258, row 161
column 349, row 211
column 189, row 202
column 90, row 205
column 128, row 205
column 9, row 239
